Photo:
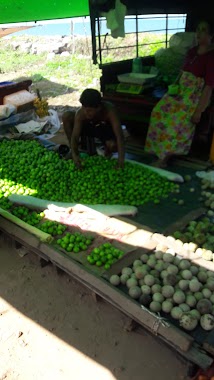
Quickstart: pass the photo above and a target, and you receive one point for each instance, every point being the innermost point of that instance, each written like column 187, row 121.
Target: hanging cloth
column 115, row 19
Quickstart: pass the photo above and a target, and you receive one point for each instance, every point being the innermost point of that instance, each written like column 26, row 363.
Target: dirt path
column 51, row 328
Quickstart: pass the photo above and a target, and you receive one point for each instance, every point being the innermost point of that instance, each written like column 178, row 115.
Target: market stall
column 122, row 259
column 141, row 239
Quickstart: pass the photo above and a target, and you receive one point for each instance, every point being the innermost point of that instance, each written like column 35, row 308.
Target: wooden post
column 72, row 37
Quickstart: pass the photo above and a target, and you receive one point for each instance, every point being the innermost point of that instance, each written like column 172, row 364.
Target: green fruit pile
column 76, row 242
column 4, row 202
column 27, row 168
column 52, row 228
column 199, row 232
column 105, row 255
column 33, row 218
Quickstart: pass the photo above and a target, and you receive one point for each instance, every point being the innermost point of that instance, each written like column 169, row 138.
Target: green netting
column 25, row 10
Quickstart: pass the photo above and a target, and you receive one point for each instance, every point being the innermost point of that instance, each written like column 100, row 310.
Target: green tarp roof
column 35, row 10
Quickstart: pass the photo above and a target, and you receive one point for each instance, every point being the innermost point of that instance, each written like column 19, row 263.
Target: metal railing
column 104, row 39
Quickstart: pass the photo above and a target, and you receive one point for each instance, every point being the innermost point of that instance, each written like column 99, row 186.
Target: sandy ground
column 52, row 328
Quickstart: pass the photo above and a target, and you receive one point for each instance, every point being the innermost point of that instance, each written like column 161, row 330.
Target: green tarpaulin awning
column 36, row 10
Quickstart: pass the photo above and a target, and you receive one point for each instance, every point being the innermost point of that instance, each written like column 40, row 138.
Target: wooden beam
column 184, row 221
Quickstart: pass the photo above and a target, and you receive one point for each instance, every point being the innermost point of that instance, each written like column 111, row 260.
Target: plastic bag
column 209, row 176
column 53, row 120
column 182, row 41
column 18, row 118
column 169, row 63
column 6, row 111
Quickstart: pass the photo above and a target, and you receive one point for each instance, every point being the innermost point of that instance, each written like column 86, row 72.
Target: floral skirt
column 171, row 130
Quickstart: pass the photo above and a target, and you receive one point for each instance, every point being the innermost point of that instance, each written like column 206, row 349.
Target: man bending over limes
column 94, row 119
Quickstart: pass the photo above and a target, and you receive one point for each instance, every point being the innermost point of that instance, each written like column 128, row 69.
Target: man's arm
column 75, row 138
column 117, row 129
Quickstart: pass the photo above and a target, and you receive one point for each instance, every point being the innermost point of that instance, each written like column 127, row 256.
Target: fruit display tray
column 180, row 341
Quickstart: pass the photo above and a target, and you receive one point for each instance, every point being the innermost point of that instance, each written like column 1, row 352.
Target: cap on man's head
column 90, row 98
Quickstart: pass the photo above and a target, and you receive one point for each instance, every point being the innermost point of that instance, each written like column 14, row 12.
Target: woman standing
column 173, row 119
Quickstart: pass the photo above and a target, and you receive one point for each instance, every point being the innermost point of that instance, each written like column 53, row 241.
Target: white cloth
column 30, row 127
column 115, row 19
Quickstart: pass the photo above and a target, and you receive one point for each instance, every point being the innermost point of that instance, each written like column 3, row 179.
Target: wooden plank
column 118, row 299
column 208, row 344
column 199, row 357
column 206, row 164
column 183, row 222
column 26, row 239
column 195, row 355
column 128, row 259
column 114, row 296
column 186, row 164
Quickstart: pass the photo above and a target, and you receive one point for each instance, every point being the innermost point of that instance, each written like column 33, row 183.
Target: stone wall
column 63, row 45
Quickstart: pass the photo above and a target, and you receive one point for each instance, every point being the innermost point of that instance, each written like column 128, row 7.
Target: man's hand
column 78, row 163
column 196, row 117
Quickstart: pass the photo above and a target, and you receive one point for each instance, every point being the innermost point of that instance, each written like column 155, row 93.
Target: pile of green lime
column 105, row 255
column 52, row 228
column 76, row 242
column 33, row 218
column 27, row 168
column 4, row 202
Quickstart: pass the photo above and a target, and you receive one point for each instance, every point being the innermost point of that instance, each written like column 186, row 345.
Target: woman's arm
column 207, row 91
column 202, row 104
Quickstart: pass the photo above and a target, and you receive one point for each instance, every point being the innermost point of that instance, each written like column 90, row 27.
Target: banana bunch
column 41, row 107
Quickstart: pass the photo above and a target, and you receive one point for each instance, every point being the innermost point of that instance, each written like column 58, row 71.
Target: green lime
column 95, row 257
column 76, row 249
column 107, row 266
column 91, row 261
column 107, row 245
column 99, row 263
column 96, row 250
column 78, row 239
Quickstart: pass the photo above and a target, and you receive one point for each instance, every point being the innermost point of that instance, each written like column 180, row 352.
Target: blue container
column 6, row 83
